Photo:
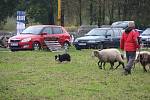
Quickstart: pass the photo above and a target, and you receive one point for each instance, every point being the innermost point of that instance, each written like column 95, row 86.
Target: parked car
column 120, row 24
column 124, row 25
column 33, row 37
column 4, row 36
column 99, row 38
column 146, row 37
column 84, row 29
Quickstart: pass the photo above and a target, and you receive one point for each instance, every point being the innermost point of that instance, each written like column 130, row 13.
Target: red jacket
column 129, row 42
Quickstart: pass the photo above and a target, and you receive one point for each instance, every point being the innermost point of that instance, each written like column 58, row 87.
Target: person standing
column 129, row 44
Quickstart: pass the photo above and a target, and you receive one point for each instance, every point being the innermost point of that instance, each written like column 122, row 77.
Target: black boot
column 127, row 72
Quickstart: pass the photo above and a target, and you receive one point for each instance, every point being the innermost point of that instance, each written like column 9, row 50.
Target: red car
column 33, row 37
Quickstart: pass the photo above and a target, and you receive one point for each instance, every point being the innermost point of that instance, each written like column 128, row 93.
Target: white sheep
column 110, row 56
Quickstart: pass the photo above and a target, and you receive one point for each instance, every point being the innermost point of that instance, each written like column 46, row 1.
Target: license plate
column 82, row 43
column 14, row 44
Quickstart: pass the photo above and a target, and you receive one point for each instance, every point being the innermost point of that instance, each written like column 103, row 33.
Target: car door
column 46, row 34
column 116, row 37
column 57, row 32
column 108, row 38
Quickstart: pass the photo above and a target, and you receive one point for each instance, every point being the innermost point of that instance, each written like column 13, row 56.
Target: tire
column 66, row 45
column 36, row 46
column 77, row 48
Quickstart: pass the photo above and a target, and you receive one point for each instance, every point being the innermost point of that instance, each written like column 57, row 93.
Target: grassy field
column 35, row 75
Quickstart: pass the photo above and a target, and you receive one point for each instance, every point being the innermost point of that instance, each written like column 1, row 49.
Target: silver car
column 146, row 38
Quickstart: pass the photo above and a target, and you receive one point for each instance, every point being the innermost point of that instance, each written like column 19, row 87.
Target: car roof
column 108, row 28
column 45, row 26
column 120, row 24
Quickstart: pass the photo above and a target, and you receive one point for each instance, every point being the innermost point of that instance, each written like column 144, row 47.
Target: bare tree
column 80, row 12
column 51, row 13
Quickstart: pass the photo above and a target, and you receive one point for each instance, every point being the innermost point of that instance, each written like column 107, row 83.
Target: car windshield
column 96, row 32
column 32, row 30
column 146, row 32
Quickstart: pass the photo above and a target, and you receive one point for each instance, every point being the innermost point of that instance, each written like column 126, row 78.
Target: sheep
column 109, row 55
column 144, row 58
column 140, row 52
column 138, row 60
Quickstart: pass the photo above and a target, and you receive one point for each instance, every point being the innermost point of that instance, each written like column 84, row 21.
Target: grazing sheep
column 144, row 58
column 63, row 57
column 109, row 55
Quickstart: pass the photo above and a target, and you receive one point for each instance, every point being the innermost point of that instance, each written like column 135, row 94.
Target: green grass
column 35, row 75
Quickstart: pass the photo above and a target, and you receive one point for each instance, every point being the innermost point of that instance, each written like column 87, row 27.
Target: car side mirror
column 106, row 36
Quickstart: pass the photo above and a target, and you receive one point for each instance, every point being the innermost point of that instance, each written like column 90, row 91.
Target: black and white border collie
column 63, row 57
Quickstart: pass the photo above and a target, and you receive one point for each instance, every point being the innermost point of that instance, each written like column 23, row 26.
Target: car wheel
column 36, row 46
column 66, row 45
column 77, row 48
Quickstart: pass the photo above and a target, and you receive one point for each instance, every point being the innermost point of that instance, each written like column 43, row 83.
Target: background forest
column 78, row 12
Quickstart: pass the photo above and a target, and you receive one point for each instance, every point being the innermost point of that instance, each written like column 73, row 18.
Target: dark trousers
column 130, row 59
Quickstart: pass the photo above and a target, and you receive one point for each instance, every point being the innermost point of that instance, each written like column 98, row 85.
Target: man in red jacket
column 129, row 43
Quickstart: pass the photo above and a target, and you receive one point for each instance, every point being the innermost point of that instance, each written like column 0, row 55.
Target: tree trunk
column 103, row 12
column 91, row 12
column 62, row 12
column 99, row 13
column 51, row 14
column 80, row 13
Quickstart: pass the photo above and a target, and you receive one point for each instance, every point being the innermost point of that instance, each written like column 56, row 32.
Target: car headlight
column 26, row 40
